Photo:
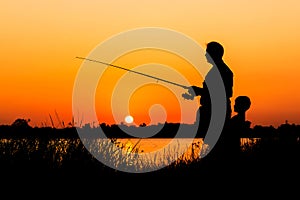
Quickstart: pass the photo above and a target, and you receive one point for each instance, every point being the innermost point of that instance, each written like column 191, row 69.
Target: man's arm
column 195, row 90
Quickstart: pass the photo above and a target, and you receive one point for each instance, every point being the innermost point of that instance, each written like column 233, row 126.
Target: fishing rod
column 186, row 95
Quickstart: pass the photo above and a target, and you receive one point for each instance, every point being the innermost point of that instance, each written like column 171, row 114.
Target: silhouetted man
column 214, row 55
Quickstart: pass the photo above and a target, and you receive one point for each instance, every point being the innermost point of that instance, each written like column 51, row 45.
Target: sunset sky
column 40, row 40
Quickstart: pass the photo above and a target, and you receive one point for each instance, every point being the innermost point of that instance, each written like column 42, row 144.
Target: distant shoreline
column 168, row 130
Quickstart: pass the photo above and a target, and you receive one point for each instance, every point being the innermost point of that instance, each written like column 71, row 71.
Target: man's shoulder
column 227, row 69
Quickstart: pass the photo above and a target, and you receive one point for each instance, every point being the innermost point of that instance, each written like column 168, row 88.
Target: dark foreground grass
column 68, row 158
column 57, row 158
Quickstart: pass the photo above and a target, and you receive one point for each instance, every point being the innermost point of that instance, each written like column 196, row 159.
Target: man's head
column 215, row 51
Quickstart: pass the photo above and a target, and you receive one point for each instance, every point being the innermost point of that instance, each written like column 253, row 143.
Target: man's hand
column 192, row 92
column 195, row 90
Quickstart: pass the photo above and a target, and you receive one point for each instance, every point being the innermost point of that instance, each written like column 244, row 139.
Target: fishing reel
column 189, row 95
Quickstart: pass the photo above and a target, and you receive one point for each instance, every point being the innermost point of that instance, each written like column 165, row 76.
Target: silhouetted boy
column 238, row 122
column 238, row 127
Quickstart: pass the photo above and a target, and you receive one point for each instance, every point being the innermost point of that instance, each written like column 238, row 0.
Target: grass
column 64, row 153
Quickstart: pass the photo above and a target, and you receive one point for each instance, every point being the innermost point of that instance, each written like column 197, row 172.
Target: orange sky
column 40, row 40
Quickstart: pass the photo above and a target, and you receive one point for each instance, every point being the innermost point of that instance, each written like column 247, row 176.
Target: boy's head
column 242, row 104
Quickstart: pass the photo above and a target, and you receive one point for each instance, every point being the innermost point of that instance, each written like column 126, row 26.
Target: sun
column 128, row 119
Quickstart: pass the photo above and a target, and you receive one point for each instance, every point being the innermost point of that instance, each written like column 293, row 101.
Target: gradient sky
column 40, row 40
